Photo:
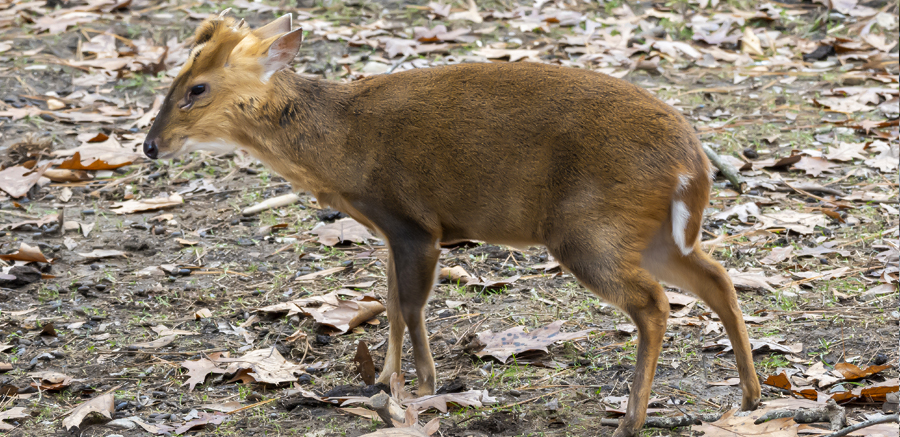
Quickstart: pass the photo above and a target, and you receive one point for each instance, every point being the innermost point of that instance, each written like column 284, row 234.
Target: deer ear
column 278, row 26
column 281, row 53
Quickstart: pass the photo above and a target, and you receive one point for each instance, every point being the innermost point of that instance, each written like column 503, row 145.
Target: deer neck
column 296, row 129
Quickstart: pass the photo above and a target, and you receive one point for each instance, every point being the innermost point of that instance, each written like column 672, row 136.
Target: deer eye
column 196, row 90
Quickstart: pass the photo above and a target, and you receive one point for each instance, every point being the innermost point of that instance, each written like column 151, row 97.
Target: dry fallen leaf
column 107, row 149
column 513, row 54
column 198, row 370
column 471, row 398
column 347, row 315
column 851, row 371
column 742, row 211
column 759, row 346
column 101, row 404
column 75, row 163
column 515, row 340
column 799, row 222
column 815, row 166
column 730, row 425
column 345, row 229
column 267, row 364
column 50, row 380
column 755, row 280
column 12, row 413
column 49, row 218
column 26, row 253
column 777, row 255
column 161, row 202
column 454, row 274
column 488, row 284
column 364, row 364
column 201, row 421
column 846, row 152
column 18, row 180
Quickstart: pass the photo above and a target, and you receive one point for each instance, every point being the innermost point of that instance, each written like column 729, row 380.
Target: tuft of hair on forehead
column 214, row 40
column 212, row 27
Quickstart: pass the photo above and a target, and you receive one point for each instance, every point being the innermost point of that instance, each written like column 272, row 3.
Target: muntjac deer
column 611, row 180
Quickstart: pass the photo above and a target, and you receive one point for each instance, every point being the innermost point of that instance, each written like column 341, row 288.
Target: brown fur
column 519, row 154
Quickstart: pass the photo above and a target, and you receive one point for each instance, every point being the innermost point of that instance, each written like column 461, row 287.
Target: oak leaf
column 515, row 340
column 102, row 405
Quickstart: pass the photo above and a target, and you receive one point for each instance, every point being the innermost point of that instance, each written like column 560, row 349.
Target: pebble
column 95, row 266
column 100, row 287
column 121, row 424
column 121, row 405
column 88, row 212
column 159, row 230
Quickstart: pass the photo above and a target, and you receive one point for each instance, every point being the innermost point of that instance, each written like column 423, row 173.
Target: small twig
column 394, row 67
column 883, row 419
column 806, row 193
column 726, row 168
column 252, row 406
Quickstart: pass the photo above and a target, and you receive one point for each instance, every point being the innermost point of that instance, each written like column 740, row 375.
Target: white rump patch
column 683, row 181
column 680, row 217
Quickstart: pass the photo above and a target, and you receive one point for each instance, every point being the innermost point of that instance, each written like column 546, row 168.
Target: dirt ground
column 831, row 298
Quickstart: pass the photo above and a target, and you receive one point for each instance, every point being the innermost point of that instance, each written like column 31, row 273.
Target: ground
column 801, row 98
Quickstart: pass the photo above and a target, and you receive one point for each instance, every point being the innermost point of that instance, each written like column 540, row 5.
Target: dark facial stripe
column 207, row 32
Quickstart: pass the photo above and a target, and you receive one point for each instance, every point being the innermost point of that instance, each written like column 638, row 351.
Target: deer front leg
column 392, row 360
column 411, row 270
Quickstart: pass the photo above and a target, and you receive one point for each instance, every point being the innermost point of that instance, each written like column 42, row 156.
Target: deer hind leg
column 614, row 274
column 699, row 274
column 411, row 272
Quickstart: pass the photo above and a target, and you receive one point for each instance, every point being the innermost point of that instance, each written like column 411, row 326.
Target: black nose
column 150, row 148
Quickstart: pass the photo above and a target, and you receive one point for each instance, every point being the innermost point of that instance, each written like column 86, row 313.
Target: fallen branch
column 726, row 169
column 387, row 408
column 671, row 422
column 866, row 424
column 831, row 412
